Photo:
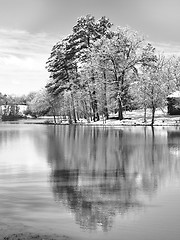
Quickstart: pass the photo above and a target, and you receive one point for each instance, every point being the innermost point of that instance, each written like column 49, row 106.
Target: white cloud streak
column 168, row 49
column 22, row 60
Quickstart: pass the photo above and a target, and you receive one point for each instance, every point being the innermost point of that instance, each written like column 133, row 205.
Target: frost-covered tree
column 43, row 103
column 152, row 87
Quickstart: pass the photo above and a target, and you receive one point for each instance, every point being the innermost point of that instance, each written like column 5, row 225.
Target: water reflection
column 18, row 146
column 97, row 199
column 100, row 173
column 96, row 174
column 174, row 142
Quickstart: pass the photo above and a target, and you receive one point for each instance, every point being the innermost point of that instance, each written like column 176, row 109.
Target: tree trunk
column 54, row 113
column 94, row 101
column 106, row 111
column 153, row 115
column 120, row 94
column 105, row 96
column 77, row 114
column 145, row 120
column 120, row 111
column 93, row 111
column 70, row 119
column 73, row 106
column 94, row 107
column 86, row 114
column 54, row 116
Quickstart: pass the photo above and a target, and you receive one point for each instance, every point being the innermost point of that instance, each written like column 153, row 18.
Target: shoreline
column 99, row 124
column 13, row 231
column 30, row 236
column 133, row 118
column 109, row 123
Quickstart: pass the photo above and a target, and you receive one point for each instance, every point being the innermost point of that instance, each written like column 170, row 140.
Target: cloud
column 168, row 49
column 22, row 59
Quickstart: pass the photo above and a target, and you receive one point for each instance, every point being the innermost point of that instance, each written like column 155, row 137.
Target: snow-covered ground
column 131, row 118
column 136, row 117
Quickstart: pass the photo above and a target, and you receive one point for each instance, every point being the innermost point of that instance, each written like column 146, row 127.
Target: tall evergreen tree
column 85, row 33
column 63, row 72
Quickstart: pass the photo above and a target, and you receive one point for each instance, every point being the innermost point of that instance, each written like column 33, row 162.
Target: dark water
column 92, row 183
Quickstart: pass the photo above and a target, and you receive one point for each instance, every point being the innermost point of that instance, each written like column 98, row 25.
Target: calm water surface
column 92, row 183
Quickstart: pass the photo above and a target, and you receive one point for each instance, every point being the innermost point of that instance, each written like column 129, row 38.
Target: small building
column 173, row 103
column 12, row 112
column 15, row 109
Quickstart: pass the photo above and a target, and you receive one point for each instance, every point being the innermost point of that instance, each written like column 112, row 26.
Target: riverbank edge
column 101, row 123
column 15, row 231
column 131, row 118
column 30, row 236
column 109, row 125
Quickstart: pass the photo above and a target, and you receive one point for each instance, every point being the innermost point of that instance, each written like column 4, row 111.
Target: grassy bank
column 131, row 118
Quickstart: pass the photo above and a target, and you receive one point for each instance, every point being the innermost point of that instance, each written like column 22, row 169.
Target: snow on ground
column 174, row 95
column 136, row 117
column 131, row 118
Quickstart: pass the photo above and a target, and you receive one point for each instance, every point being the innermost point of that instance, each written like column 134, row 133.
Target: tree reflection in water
column 94, row 176
column 174, row 142
column 101, row 173
column 93, row 199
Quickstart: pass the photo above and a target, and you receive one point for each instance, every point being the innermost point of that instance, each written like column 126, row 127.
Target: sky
column 30, row 28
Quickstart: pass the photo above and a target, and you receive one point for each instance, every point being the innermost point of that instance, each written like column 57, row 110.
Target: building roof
column 175, row 94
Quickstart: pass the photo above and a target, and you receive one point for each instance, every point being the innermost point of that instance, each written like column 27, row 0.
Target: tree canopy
column 104, row 70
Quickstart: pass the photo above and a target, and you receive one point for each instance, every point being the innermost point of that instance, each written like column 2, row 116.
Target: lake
column 92, row 182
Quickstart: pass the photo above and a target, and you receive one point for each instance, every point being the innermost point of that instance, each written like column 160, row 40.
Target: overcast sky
column 29, row 29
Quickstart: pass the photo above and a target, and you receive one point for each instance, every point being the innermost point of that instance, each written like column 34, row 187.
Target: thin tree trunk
column 77, row 114
column 105, row 96
column 54, row 116
column 54, row 112
column 94, row 107
column 93, row 111
column 145, row 111
column 85, row 110
column 153, row 114
column 70, row 118
column 120, row 100
column 73, row 106
column 153, row 144
column 120, row 111
column 94, row 99
column 119, row 88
